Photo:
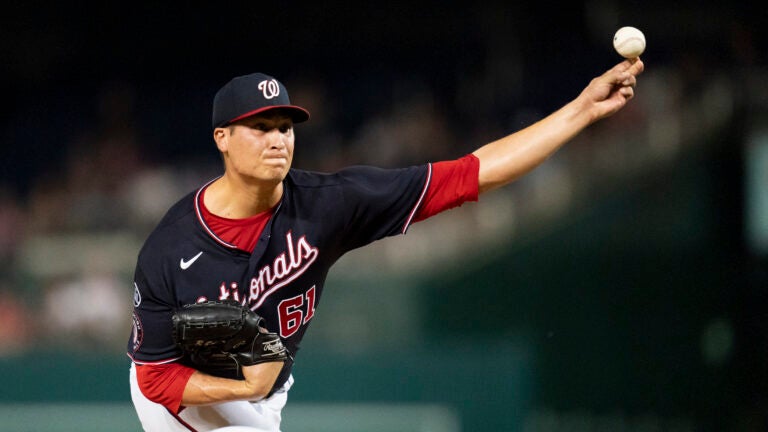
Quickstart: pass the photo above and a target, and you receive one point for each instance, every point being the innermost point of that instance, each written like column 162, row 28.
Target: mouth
column 278, row 159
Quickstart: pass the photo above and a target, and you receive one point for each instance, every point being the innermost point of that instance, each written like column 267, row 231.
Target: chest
column 281, row 281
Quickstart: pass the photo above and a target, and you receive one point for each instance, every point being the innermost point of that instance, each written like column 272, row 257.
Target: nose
column 276, row 139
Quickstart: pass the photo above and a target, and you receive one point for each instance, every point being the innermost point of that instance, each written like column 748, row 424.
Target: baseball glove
column 225, row 335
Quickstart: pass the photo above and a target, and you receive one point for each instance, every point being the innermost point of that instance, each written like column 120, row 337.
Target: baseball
column 629, row 42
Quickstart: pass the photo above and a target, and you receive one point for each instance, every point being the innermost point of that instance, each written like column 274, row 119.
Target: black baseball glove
column 225, row 335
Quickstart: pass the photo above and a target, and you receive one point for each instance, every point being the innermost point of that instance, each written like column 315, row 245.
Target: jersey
column 320, row 218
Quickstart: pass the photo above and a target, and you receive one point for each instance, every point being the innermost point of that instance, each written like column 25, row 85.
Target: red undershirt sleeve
column 453, row 183
column 164, row 383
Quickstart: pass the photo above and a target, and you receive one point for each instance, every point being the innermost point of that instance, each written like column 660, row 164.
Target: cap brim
column 297, row 113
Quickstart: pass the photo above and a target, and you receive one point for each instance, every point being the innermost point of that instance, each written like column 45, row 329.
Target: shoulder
column 172, row 228
column 311, row 179
column 351, row 175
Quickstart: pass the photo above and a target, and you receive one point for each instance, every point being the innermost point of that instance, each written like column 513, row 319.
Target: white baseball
column 629, row 42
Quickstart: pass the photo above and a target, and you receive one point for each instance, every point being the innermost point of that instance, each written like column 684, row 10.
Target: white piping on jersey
column 159, row 362
column 210, row 232
column 202, row 220
column 311, row 256
column 421, row 198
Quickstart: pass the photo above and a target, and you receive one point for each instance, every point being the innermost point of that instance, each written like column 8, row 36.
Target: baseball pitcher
column 230, row 279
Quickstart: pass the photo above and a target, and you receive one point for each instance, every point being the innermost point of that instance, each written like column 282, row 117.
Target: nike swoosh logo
column 185, row 264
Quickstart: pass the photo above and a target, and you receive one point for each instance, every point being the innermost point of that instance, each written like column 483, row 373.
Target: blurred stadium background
column 621, row 286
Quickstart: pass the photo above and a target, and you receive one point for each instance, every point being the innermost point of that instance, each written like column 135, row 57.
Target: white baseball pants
column 240, row 416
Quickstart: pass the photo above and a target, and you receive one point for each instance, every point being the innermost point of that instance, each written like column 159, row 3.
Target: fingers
column 633, row 66
column 630, row 81
column 625, row 73
column 637, row 66
column 627, row 92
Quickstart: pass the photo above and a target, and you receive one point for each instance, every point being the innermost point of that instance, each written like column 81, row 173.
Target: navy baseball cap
column 248, row 95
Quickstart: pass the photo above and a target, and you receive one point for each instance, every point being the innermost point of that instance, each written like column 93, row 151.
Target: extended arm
column 511, row 157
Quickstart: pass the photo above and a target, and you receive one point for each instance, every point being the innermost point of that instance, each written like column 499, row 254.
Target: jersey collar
column 201, row 219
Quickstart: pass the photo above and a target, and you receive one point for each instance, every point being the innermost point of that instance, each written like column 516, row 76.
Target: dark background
column 613, row 301
column 57, row 59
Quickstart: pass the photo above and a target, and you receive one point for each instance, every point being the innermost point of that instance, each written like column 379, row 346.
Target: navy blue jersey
column 319, row 218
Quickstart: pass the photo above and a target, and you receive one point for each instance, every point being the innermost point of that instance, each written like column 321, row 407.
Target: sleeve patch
column 137, row 333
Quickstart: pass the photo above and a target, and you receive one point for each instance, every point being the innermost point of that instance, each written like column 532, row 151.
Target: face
column 258, row 148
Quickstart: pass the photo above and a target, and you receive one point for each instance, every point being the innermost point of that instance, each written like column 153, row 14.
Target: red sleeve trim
column 164, row 383
column 453, row 183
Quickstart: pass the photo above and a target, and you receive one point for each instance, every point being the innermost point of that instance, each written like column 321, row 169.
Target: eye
column 285, row 128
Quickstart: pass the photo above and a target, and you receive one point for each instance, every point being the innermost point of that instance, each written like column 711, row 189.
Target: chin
column 277, row 175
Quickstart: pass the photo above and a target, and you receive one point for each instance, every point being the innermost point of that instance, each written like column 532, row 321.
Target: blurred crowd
column 69, row 245
column 69, row 239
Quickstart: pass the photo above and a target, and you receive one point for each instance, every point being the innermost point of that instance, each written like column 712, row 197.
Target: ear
column 221, row 136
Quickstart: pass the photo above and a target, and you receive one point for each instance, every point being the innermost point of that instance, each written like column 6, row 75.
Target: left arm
column 509, row 158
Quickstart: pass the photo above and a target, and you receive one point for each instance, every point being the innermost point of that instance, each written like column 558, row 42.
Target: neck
column 230, row 198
